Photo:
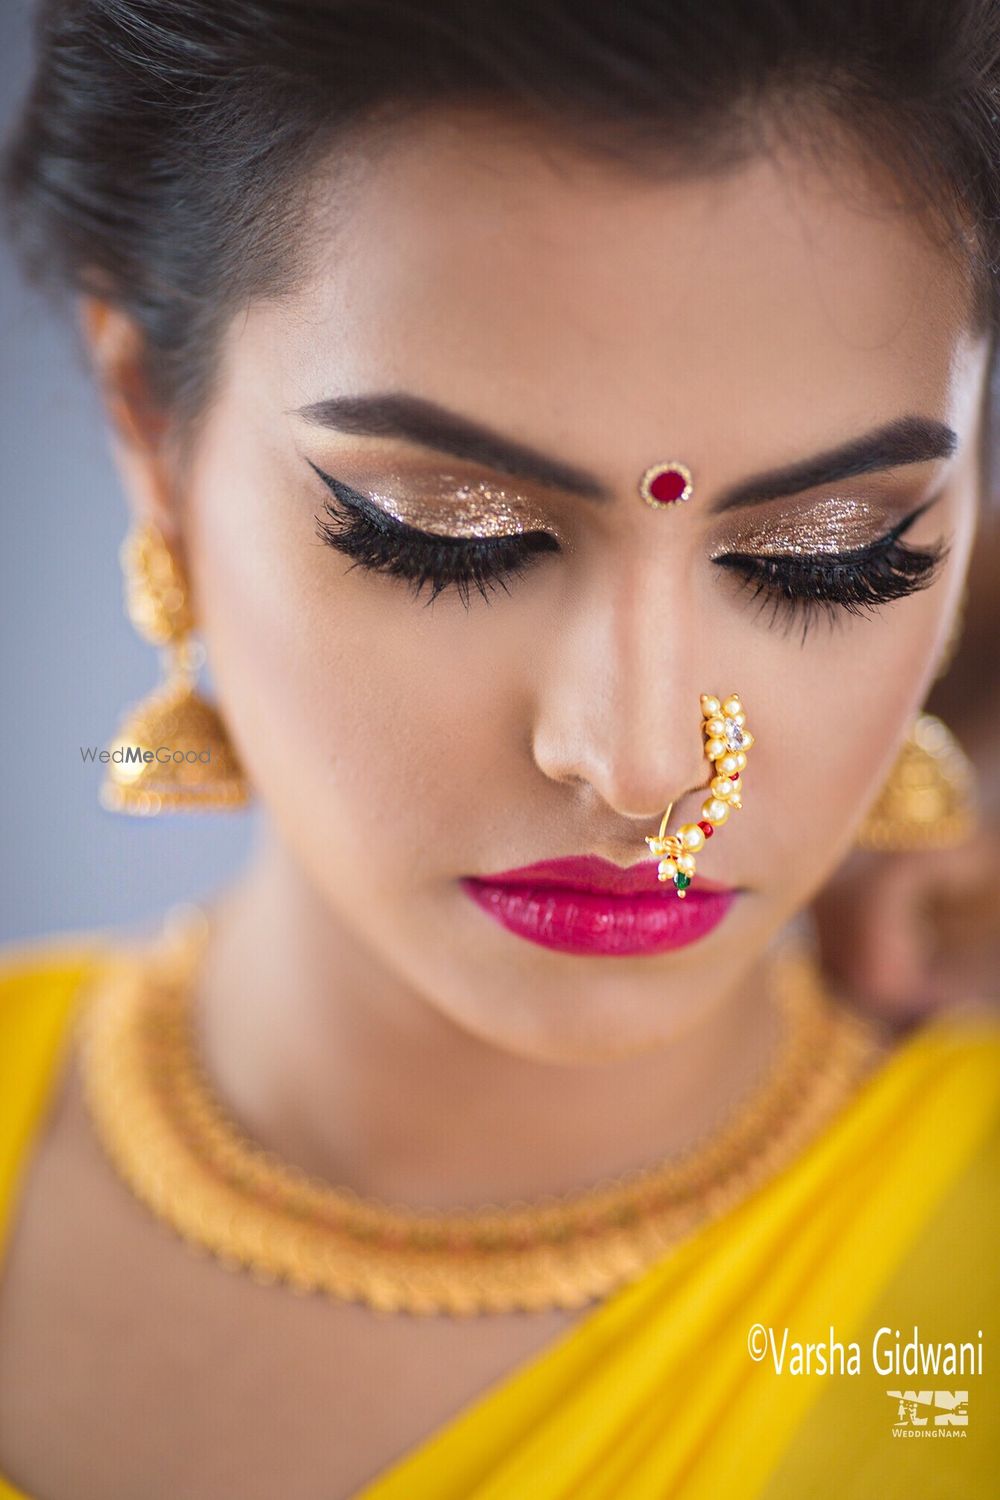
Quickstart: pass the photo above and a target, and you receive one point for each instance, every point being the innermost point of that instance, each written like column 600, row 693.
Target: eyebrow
column 411, row 419
column 907, row 440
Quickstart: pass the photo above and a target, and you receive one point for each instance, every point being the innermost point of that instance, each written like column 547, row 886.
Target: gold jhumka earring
column 172, row 752
column 727, row 740
column 928, row 801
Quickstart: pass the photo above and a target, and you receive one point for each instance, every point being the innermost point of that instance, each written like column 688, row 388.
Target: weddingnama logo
column 933, row 1414
column 136, row 755
column 930, row 1414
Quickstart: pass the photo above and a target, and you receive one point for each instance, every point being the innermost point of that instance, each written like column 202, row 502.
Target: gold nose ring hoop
column 727, row 740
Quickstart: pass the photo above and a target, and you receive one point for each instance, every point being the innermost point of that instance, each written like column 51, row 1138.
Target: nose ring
column 727, row 740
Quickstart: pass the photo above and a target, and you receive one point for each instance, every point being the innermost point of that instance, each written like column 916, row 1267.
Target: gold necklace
column 189, row 1162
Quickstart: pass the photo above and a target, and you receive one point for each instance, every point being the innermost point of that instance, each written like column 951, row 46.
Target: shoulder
column 39, row 979
column 967, row 1038
column 941, row 1095
column 41, row 983
column 950, row 1064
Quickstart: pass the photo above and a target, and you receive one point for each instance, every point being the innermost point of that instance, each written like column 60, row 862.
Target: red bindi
column 666, row 484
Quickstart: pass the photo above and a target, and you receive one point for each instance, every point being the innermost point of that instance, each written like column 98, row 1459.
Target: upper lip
column 589, row 872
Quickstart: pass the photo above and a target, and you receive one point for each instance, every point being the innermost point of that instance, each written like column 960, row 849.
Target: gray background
column 69, row 661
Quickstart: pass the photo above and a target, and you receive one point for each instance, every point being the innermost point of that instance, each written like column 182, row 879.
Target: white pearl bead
column 667, row 869
column 729, row 764
column 709, row 705
column 715, row 728
column 741, row 761
column 732, row 706
column 715, row 810
column 692, row 837
column 722, row 787
column 685, row 864
column 714, row 748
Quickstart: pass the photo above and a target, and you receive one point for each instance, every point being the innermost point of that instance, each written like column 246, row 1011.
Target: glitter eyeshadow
column 453, row 509
column 833, row 525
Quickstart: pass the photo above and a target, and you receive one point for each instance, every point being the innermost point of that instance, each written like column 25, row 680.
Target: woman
column 560, row 425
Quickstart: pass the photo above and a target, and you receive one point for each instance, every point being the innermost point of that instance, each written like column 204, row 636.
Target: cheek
column 838, row 718
column 840, row 710
column 360, row 715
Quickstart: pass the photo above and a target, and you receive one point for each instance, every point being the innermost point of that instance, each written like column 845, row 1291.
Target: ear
column 139, row 430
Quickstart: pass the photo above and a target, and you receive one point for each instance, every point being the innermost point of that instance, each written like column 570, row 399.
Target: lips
column 586, row 905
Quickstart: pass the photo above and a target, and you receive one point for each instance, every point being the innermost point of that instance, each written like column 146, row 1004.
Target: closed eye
column 376, row 541
column 858, row 581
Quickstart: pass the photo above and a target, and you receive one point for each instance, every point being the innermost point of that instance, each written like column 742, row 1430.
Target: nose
column 619, row 705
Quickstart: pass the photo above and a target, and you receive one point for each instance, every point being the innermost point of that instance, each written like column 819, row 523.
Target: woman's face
column 548, row 328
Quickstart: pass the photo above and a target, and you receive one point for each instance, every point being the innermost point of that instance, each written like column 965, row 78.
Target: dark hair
column 162, row 150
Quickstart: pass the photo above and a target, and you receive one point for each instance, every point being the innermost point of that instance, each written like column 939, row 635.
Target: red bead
column 736, row 777
column 668, row 486
column 706, row 829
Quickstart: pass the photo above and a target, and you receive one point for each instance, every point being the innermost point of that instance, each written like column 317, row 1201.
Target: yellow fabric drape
column 891, row 1218
column 655, row 1394
column 39, row 987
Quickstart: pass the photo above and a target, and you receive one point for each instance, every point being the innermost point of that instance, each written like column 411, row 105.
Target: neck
column 328, row 1057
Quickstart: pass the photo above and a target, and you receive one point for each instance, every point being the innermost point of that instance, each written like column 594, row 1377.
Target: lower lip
column 601, row 925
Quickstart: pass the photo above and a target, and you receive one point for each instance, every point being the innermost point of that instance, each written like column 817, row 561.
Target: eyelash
column 382, row 544
column 859, row 581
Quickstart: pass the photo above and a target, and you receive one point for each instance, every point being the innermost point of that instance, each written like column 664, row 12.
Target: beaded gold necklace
column 181, row 1154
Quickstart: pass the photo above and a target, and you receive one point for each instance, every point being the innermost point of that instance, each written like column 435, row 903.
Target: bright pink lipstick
column 587, row 905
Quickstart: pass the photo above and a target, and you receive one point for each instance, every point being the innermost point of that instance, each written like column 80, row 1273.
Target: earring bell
column 929, row 799
column 172, row 751
column 726, row 741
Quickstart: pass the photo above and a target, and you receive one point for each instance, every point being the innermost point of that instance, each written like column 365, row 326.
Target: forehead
column 512, row 275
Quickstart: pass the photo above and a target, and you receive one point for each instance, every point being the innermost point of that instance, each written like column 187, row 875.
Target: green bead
column 682, row 881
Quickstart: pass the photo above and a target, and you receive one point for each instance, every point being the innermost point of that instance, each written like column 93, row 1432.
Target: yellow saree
column 878, row 1247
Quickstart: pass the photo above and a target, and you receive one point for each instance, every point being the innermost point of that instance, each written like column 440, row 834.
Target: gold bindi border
column 668, row 468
